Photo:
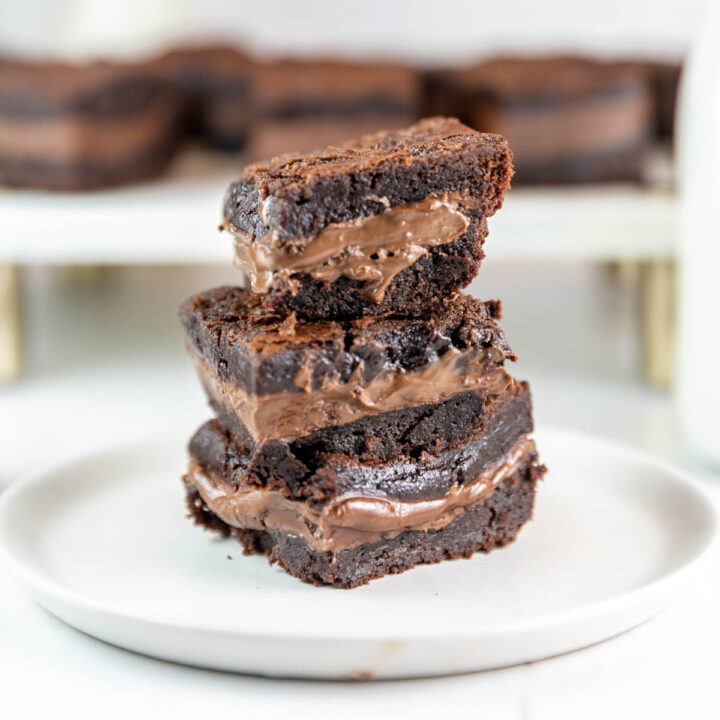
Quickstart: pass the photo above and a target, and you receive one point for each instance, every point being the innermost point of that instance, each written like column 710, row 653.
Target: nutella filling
column 290, row 415
column 352, row 520
column 372, row 249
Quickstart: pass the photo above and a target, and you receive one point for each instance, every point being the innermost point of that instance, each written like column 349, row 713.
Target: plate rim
column 42, row 587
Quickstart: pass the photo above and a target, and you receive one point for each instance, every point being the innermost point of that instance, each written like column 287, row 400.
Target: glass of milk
column 698, row 153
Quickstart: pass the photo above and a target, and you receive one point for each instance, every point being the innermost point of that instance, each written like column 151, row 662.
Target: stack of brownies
column 365, row 421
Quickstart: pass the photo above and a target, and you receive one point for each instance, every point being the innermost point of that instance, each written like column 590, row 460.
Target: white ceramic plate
column 104, row 545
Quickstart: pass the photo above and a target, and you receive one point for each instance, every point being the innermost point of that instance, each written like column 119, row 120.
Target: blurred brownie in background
column 568, row 119
column 74, row 127
column 300, row 106
column 665, row 82
column 663, row 79
column 214, row 82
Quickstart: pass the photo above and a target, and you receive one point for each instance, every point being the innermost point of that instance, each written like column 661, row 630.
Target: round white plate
column 103, row 544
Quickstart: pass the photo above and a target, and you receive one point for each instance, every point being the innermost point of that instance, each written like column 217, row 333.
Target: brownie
column 663, row 79
column 299, row 470
column 567, row 118
column 432, row 426
column 76, row 127
column 366, row 387
column 665, row 83
column 387, row 223
column 383, row 521
column 214, row 83
column 302, row 105
column 365, row 421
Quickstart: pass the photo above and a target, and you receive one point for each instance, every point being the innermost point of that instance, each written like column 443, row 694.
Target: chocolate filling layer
column 290, row 415
column 372, row 249
column 352, row 520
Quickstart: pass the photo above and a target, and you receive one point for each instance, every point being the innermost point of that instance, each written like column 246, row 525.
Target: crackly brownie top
column 292, row 197
column 262, row 352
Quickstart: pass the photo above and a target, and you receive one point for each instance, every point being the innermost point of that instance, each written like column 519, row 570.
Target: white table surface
column 98, row 385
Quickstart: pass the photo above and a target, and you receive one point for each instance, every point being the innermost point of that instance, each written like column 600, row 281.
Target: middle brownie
column 367, row 388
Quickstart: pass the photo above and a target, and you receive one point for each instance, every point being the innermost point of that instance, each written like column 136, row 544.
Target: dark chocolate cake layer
column 318, row 468
column 491, row 522
column 386, row 223
column 275, row 379
column 70, row 127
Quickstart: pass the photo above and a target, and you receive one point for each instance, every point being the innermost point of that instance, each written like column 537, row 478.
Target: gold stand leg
column 85, row 275
column 658, row 321
column 625, row 273
column 9, row 324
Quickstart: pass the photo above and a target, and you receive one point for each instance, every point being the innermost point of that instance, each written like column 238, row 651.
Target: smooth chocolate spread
column 353, row 519
column 372, row 249
column 290, row 415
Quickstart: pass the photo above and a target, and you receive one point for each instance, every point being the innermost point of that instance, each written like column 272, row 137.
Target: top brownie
column 273, row 379
column 381, row 224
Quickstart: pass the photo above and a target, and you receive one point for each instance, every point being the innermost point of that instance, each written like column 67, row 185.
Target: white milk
column 698, row 146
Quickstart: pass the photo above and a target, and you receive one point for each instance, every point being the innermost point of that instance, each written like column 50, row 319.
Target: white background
column 433, row 30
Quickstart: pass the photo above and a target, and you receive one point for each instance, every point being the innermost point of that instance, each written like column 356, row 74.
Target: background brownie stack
column 90, row 125
column 569, row 119
column 77, row 127
column 365, row 419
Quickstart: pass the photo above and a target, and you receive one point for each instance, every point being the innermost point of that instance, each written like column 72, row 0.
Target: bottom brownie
column 492, row 522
